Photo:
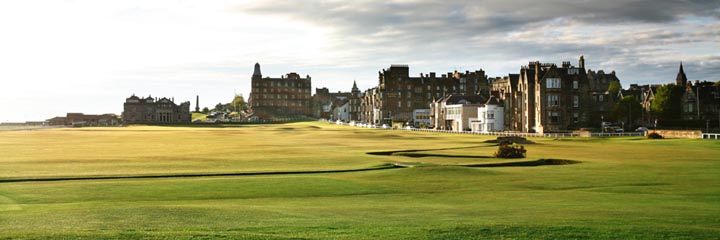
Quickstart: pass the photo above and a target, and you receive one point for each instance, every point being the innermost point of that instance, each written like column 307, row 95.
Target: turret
column 256, row 72
column 681, row 79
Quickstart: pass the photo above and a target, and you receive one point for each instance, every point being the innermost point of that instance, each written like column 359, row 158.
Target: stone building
column 287, row 96
column 152, row 110
column 507, row 91
column 553, row 98
column 324, row 103
column 85, row 120
column 397, row 94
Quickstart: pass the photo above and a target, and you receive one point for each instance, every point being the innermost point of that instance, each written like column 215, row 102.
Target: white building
column 490, row 117
column 455, row 112
column 342, row 112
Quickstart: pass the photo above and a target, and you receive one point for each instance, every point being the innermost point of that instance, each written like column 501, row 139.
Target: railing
column 715, row 136
column 518, row 134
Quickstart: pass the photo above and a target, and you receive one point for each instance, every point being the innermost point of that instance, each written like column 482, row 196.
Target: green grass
column 198, row 116
column 625, row 188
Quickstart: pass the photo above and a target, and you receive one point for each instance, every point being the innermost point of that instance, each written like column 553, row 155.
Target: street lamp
column 602, row 124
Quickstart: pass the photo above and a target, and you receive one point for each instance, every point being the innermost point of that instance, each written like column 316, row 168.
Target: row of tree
column 238, row 104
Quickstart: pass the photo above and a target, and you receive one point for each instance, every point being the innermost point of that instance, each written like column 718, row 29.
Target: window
column 575, row 84
column 554, row 117
column 399, row 104
column 601, row 98
column 553, row 100
column 490, row 115
column 409, row 103
column 553, row 83
column 576, row 101
column 576, row 117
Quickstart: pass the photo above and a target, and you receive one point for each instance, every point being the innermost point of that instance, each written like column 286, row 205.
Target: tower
column 355, row 91
column 581, row 63
column 256, row 72
column 197, row 103
column 681, row 79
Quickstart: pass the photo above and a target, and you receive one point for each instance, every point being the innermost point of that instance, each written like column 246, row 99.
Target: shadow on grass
column 535, row 163
column 405, row 152
column 53, row 179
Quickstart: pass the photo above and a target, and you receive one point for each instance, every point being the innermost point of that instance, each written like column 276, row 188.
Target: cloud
column 619, row 35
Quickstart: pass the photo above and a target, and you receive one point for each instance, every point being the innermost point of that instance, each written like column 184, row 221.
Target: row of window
column 280, row 84
column 281, row 104
column 280, row 96
column 554, row 117
column 272, row 90
column 557, row 83
column 554, row 100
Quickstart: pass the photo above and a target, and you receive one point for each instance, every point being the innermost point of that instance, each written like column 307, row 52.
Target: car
column 384, row 126
column 409, row 127
column 641, row 129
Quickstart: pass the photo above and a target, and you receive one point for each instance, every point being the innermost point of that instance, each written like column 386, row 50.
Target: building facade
column 553, row 98
column 287, row 96
column 455, row 112
column 491, row 117
column 398, row 95
column 152, row 110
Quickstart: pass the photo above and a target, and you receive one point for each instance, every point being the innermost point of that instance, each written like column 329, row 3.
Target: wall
column 695, row 134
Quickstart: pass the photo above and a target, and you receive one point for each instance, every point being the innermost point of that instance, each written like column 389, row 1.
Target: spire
column 257, row 70
column 681, row 79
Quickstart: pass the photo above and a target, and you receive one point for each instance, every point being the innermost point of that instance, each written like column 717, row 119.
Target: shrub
column 654, row 135
column 510, row 151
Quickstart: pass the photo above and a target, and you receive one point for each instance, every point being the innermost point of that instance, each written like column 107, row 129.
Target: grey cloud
column 634, row 37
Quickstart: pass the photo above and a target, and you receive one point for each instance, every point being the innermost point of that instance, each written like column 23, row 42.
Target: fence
column 715, row 136
column 517, row 134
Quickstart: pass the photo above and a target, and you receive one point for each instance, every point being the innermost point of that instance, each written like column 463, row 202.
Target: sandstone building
column 152, row 110
column 397, row 94
column 287, row 96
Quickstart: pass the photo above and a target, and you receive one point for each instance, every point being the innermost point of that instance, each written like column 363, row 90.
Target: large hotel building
column 287, row 96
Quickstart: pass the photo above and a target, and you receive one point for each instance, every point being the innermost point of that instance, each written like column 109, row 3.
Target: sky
column 88, row 56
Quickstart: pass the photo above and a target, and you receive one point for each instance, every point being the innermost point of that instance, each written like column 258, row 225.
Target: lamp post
column 602, row 124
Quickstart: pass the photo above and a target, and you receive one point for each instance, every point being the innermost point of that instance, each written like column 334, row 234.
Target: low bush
column 510, row 151
column 654, row 136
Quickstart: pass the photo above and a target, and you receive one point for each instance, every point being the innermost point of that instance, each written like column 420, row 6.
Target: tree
column 238, row 103
column 667, row 101
column 205, row 110
column 627, row 110
column 717, row 84
column 614, row 87
column 219, row 107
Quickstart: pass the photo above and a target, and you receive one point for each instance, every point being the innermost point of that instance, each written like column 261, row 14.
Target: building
column 455, row 111
column 553, row 98
column 397, row 94
column 507, row 92
column 85, row 120
column 491, row 116
column 324, row 103
column 285, row 97
column 421, row 117
column 153, row 110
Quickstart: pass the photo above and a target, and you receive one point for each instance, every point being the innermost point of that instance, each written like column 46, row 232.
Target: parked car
column 641, row 129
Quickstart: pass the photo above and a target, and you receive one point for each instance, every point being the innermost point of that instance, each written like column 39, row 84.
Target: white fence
column 519, row 134
column 715, row 136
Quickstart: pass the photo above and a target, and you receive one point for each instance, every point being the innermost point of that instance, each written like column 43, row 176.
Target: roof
column 493, row 101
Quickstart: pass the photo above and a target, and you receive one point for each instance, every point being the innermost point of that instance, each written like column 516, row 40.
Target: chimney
column 581, row 63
